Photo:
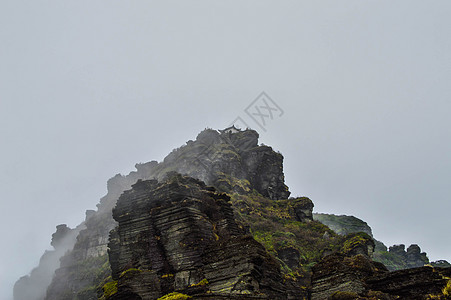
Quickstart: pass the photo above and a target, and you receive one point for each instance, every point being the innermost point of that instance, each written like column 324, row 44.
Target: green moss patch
column 109, row 289
column 175, row 296
column 201, row 283
column 274, row 224
column 130, row 272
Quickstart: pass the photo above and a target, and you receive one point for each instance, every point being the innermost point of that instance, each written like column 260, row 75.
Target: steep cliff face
column 181, row 236
column 232, row 162
column 224, row 229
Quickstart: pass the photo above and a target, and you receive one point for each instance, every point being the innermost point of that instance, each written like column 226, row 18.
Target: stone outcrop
column 341, row 273
column 358, row 243
column 351, row 274
column 180, row 235
column 343, row 224
column 394, row 258
column 303, row 208
column 357, row 277
column 224, row 229
column 232, row 162
column 397, row 258
column 413, row 257
column 414, row 283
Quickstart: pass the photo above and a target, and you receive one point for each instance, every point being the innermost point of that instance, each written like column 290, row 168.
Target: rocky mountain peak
column 213, row 221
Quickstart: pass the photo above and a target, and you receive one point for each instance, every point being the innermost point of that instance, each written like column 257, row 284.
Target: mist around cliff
column 34, row 285
column 87, row 91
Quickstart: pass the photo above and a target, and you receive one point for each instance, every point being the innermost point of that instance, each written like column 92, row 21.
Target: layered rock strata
column 180, row 235
column 232, row 162
column 394, row 258
column 340, row 276
column 341, row 273
column 414, row 283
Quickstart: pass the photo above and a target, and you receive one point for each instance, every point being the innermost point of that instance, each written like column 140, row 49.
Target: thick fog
column 360, row 90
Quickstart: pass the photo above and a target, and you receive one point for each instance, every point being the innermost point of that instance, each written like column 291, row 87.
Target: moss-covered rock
column 175, row 296
column 358, row 243
column 182, row 227
column 276, row 225
column 109, row 289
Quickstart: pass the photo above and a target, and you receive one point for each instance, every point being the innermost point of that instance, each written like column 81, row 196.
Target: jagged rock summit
column 232, row 161
column 214, row 220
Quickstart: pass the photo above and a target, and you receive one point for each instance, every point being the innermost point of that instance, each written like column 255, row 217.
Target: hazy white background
column 89, row 88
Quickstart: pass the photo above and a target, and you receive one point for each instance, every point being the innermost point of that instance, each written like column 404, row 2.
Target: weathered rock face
column 358, row 243
column 182, row 236
column 350, row 276
column 34, row 286
column 230, row 161
column 303, row 208
column 394, row 258
column 414, row 283
column 339, row 273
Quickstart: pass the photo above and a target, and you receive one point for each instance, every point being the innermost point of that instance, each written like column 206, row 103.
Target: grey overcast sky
column 89, row 88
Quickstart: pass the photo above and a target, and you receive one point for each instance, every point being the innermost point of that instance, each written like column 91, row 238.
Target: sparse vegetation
column 109, row 289
column 201, row 283
column 273, row 223
column 447, row 289
column 175, row 296
column 130, row 272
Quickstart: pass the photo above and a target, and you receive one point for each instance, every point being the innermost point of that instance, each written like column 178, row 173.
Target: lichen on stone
column 110, row 289
column 175, row 296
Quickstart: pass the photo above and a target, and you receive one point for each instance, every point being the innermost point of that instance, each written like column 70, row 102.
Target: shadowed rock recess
column 213, row 221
